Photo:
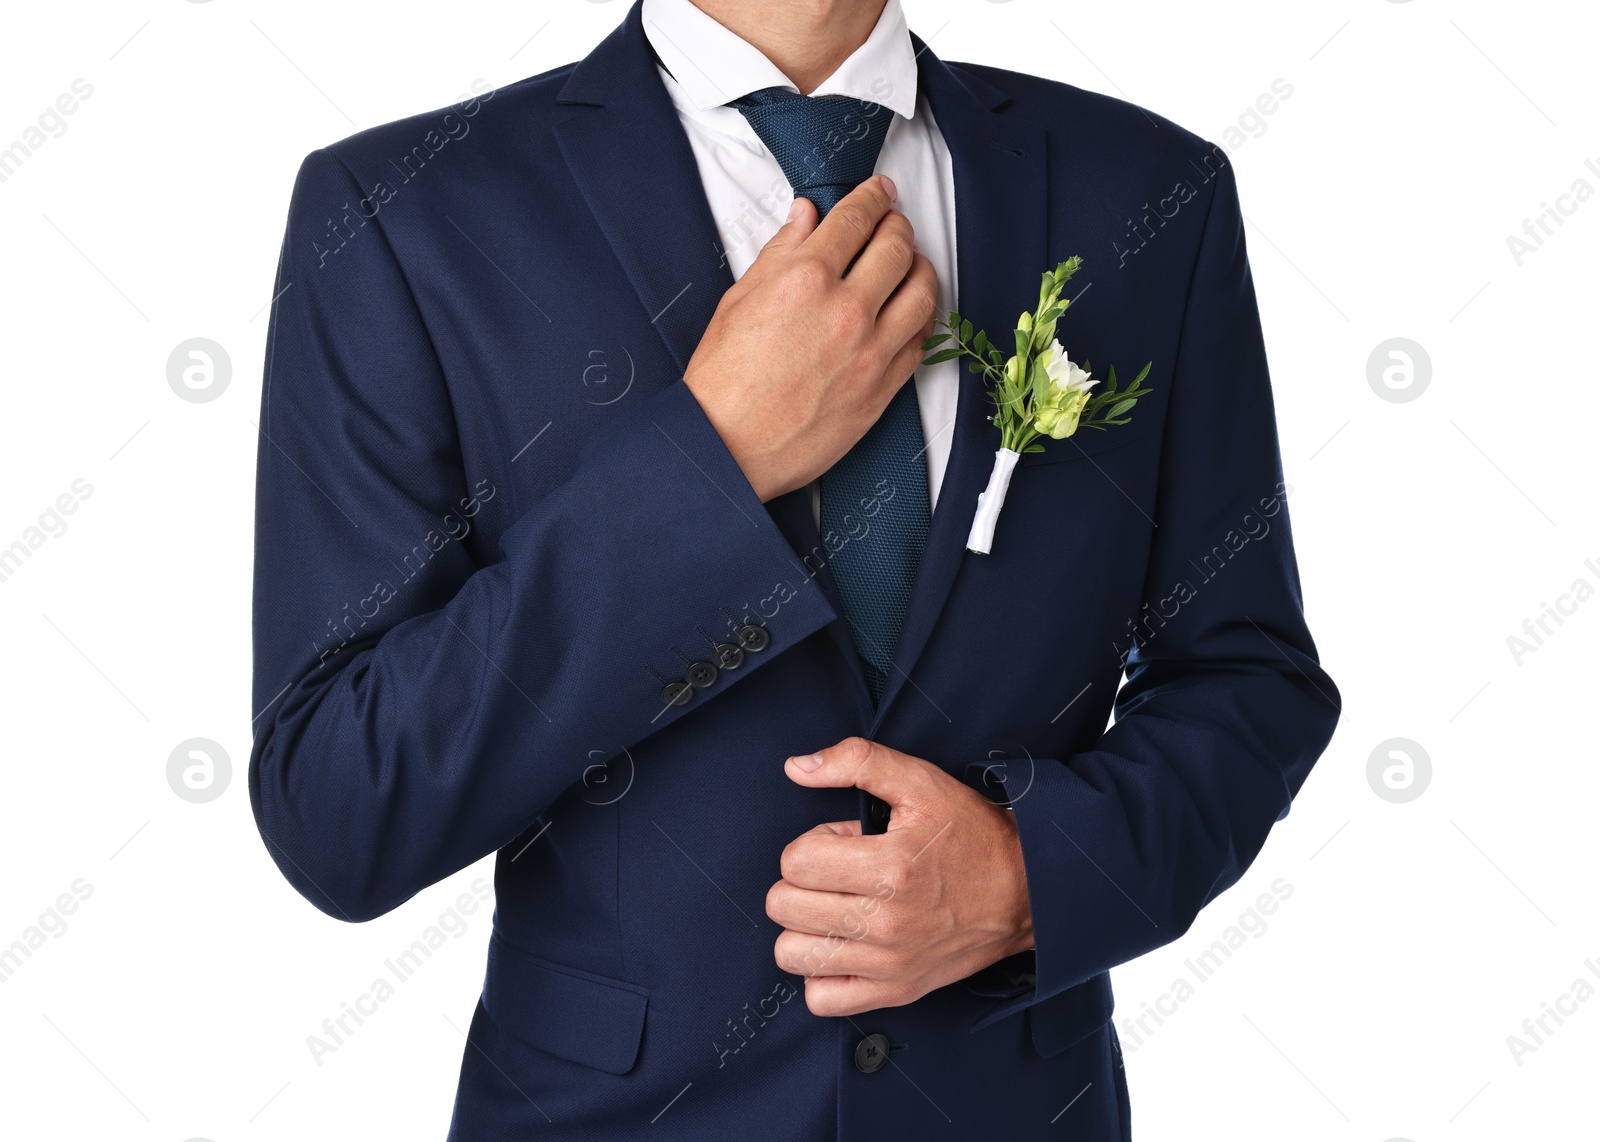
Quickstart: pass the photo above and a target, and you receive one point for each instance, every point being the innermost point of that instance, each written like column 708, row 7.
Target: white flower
column 1056, row 412
column 1065, row 377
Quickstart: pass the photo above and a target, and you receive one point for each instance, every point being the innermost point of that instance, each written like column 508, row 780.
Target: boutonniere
column 1038, row 392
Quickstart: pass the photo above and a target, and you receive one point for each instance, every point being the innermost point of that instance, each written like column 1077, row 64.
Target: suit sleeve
column 414, row 710
column 1225, row 707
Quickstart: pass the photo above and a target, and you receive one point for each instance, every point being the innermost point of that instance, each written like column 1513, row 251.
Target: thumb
column 898, row 778
column 802, row 220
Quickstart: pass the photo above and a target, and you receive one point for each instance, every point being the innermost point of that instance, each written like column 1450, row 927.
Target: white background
column 1379, row 198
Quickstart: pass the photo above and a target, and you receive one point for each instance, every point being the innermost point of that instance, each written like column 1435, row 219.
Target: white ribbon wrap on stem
column 991, row 500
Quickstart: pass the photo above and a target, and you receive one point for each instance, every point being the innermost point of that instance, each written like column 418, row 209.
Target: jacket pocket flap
column 572, row 1014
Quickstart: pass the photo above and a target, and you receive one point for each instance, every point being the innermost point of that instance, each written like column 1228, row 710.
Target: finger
column 850, row 828
column 797, row 227
column 849, row 225
column 901, row 366
column 824, row 862
column 910, row 308
column 801, row 954
column 901, row 780
column 885, row 262
column 839, row 995
column 904, row 363
column 821, row 913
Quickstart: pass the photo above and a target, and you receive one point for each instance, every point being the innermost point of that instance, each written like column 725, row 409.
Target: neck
column 807, row 40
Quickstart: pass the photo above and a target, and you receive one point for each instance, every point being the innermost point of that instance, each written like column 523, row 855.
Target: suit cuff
column 1065, row 884
column 684, row 557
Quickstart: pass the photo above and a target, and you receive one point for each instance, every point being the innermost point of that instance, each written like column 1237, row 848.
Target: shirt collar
column 712, row 66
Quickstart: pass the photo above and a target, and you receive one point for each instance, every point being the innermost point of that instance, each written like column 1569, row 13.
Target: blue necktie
column 875, row 499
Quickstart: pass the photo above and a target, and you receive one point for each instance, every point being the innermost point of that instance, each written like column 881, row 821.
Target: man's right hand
column 799, row 359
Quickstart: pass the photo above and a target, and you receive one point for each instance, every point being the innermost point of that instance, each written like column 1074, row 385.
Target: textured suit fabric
column 492, row 523
column 875, row 499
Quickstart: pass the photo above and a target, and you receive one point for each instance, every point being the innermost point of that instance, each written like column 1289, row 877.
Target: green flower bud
column 1059, row 408
column 1059, row 421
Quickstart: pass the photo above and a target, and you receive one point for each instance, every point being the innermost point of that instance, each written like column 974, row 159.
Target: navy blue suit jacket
column 493, row 524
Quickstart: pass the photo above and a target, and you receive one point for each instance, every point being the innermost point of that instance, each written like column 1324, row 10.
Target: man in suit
column 607, row 522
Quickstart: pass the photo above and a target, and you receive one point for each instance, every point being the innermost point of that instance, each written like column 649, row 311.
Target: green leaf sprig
column 1028, row 402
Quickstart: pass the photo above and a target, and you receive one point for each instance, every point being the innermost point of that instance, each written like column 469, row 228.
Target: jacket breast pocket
column 567, row 1012
column 1084, row 444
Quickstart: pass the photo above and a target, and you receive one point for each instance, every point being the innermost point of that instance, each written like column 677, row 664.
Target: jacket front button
column 872, row 1053
column 677, row 693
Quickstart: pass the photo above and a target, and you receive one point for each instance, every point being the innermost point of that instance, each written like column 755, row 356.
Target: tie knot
column 826, row 145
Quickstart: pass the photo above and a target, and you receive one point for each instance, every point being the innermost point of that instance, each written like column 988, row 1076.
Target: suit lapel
column 628, row 153
column 630, row 158
column 999, row 171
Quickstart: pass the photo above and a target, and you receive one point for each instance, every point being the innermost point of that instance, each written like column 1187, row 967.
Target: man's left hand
column 880, row 921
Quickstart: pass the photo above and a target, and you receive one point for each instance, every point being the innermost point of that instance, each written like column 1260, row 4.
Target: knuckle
column 788, row 863
column 896, row 246
column 897, row 225
column 856, row 749
column 811, row 274
column 866, row 363
column 815, row 1000
column 859, row 753
column 923, row 300
column 783, row 952
column 889, row 929
column 847, row 321
column 854, row 217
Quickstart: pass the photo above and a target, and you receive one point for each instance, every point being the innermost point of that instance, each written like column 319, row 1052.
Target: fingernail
column 888, row 188
column 808, row 762
column 794, row 210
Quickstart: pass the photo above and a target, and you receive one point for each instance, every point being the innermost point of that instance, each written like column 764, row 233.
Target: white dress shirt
column 747, row 190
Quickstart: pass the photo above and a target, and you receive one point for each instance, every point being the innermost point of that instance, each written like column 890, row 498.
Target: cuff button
column 677, row 693
column 754, row 638
column 728, row 656
column 700, row 675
